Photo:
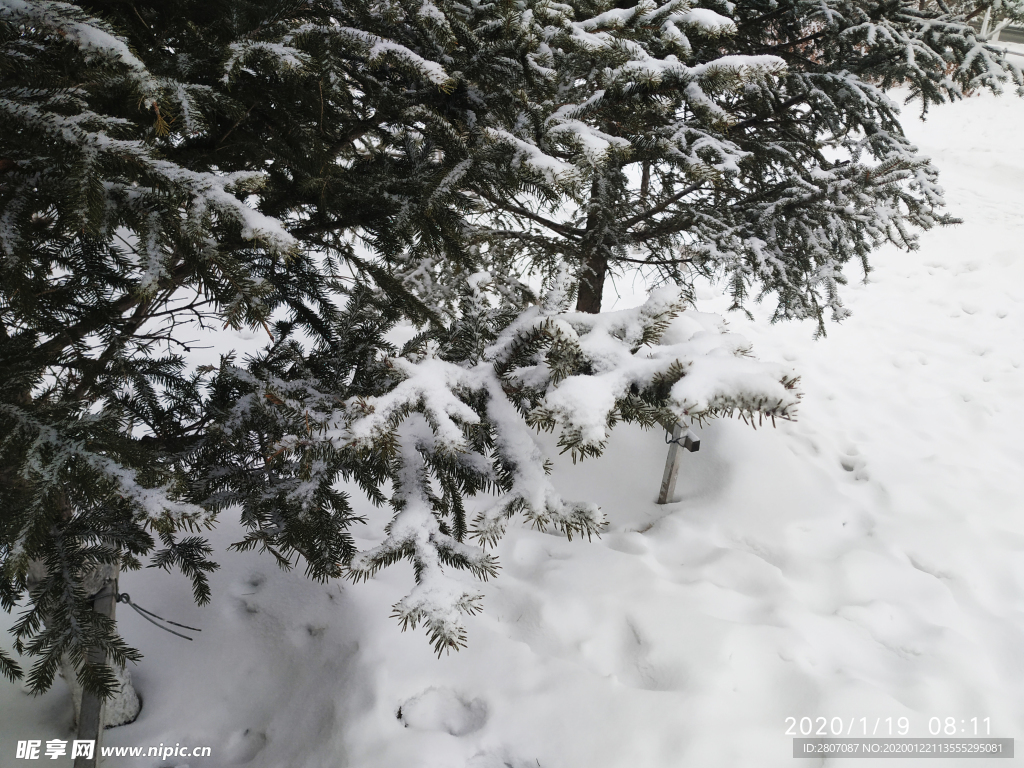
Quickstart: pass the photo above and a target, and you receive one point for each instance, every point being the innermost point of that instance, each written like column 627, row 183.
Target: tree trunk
column 594, row 265
column 592, row 274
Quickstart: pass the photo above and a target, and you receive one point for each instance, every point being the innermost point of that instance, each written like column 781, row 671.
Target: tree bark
column 594, row 264
column 588, row 299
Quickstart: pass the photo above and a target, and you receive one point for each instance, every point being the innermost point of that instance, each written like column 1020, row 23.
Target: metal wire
column 125, row 598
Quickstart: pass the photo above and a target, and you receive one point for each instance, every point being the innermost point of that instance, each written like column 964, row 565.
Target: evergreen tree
column 752, row 141
column 132, row 149
column 323, row 170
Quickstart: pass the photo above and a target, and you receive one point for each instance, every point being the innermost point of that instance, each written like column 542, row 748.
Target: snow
column 527, row 154
column 863, row 561
column 443, row 710
column 289, row 56
column 708, row 20
column 379, row 48
column 718, row 375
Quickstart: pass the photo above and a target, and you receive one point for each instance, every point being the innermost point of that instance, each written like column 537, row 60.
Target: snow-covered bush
column 451, row 416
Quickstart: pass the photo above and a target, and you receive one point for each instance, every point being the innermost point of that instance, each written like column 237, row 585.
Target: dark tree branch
column 554, row 226
column 52, row 349
column 656, row 262
column 761, row 118
column 656, row 209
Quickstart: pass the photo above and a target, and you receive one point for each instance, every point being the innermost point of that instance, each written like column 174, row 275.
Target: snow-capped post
column 90, row 714
column 682, row 437
column 95, row 713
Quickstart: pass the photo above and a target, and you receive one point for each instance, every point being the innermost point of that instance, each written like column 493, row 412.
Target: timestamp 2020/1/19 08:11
column 885, row 726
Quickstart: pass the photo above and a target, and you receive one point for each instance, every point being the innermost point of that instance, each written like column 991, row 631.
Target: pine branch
column 554, row 226
column 660, row 207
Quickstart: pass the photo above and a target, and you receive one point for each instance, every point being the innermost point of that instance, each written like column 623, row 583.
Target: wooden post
column 682, row 437
column 90, row 717
column 668, row 480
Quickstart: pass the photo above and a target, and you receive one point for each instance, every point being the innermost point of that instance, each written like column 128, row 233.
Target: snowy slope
column 864, row 562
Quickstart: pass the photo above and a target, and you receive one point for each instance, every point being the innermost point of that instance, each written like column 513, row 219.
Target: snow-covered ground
column 866, row 561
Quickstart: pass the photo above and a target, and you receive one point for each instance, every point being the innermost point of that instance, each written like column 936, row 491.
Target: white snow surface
column 866, row 561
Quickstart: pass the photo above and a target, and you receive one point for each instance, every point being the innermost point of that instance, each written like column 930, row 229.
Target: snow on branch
column 68, row 21
column 52, row 453
column 450, row 427
column 206, row 191
column 629, row 354
column 378, row 49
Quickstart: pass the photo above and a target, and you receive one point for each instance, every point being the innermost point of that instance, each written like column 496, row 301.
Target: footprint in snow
column 500, row 759
column 442, row 709
column 853, row 462
column 245, row 591
column 243, row 746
